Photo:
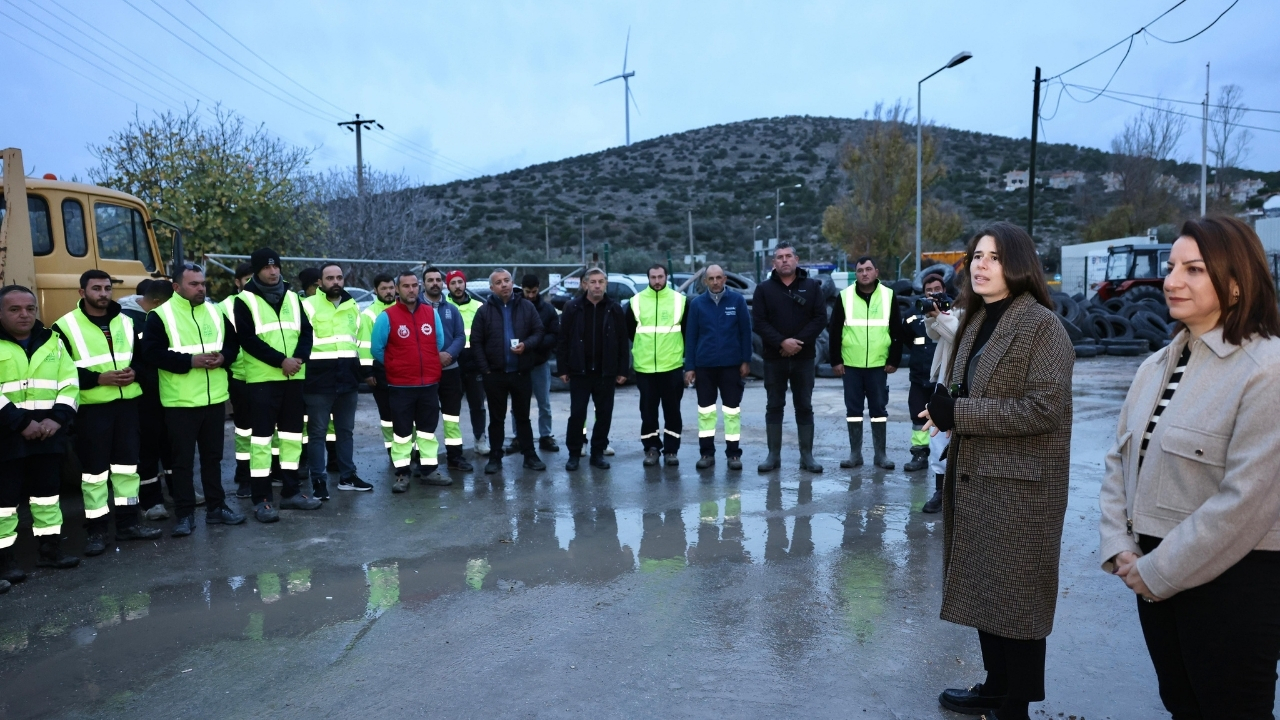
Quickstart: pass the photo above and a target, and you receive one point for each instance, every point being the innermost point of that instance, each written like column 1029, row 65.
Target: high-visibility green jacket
column 92, row 353
column 228, row 306
column 865, row 340
column 280, row 332
column 189, row 330
column 364, row 335
column 658, row 345
column 468, row 312
column 334, row 330
column 34, row 386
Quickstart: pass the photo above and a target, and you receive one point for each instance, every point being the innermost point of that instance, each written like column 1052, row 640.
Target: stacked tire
column 1135, row 323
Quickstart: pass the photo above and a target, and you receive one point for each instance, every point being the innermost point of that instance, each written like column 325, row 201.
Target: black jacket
column 154, row 347
column 550, row 331
column 247, row 332
column 336, row 375
column 144, row 371
column 489, row 341
column 13, row 419
column 571, row 352
column 89, row 378
column 779, row 312
column 897, row 335
column 921, row 346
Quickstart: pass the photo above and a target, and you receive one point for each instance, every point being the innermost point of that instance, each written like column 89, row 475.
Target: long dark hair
column 1022, row 272
column 1232, row 251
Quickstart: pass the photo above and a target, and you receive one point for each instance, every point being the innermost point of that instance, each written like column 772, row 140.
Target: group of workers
column 144, row 382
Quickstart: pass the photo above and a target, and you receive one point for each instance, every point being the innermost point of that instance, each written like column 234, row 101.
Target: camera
column 934, row 301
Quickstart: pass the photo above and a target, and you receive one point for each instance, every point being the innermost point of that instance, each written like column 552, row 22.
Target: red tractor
column 1135, row 271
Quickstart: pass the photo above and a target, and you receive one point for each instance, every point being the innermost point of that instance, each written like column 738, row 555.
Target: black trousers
column 917, row 400
column 498, row 386
column 665, row 389
column 1015, row 668
column 473, row 386
column 778, row 374
column 727, row 383
column 276, row 406
column 598, row 389
column 415, row 409
column 451, row 406
column 1215, row 646
column 34, row 476
column 106, row 435
column 154, row 451
column 189, row 429
column 242, row 417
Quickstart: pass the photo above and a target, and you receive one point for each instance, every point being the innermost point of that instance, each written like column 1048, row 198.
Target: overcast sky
column 484, row 87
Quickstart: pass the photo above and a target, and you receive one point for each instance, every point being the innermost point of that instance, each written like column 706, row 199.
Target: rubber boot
column 878, row 432
column 934, row 503
column 919, row 459
column 855, row 446
column 805, row 433
column 773, row 433
column 9, row 570
column 51, row 555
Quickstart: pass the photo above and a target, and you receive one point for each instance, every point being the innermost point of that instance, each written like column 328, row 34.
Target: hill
column 637, row 198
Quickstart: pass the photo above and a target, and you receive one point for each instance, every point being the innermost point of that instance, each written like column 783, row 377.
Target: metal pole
column 919, row 180
column 777, row 214
column 546, row 228
column 691, row 240
column 1031, row 174
column 584, row 241
column 626, row 106
column 1204, row 147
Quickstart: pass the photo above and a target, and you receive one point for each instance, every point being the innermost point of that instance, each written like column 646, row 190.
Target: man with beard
column 384, row 289
column 100, row 339
column 657, row 351
column 591, row 357
column 451, row 339
column 472, row 380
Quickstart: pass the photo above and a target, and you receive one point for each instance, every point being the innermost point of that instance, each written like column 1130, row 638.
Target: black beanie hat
column 308, row 277
column 263, row 257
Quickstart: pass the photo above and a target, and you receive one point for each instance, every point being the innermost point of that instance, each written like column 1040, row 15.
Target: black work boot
column 934, row 504
column 9, row 569
column 773, row 435
column 52, row 556
column 879, row 431
column 855, row 446
column 807, row 461
column 919, row 458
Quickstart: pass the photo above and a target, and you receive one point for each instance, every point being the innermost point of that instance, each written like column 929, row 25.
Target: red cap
column 454, row 274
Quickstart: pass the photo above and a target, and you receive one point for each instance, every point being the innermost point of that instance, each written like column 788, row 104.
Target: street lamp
column 758, row 252
column 961, row 57
column 777, row 211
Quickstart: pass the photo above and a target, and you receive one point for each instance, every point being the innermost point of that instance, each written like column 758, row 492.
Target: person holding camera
column 865, row 341
column 940, row 323
column 922, row 351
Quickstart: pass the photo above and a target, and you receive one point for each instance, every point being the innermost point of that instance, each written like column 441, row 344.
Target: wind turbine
column 627, row 98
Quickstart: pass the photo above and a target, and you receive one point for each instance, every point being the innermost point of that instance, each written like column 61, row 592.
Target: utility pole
column 546, row 228
column 1031, row 174
column 691, row 260
column 1204, row 146
column 584, row 241
column 357, row 126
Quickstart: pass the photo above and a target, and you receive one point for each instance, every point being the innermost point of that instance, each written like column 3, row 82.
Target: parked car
column 364, row 298
column 737, row 281
column 620, row 287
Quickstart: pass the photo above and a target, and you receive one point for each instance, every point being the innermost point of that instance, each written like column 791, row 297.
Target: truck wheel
column 1143, row 292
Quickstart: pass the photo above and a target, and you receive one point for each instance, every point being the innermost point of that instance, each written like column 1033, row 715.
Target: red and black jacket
column 412, row 355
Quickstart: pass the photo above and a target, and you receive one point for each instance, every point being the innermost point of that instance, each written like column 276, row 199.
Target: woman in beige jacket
column 1191, row 495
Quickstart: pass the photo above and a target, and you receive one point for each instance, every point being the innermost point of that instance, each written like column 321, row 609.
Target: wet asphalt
column 631, row 592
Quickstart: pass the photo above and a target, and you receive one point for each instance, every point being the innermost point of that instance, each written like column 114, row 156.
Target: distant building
column 1064, row 180
column 1015, row 180
column 1112, row 181
column 1242, row 190
column 1271, row 208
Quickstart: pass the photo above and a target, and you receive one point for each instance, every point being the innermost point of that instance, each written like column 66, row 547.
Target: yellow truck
column 69, row 228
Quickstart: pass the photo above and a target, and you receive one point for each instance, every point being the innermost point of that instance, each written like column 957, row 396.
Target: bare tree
column 1231, row 142
column 395, row 221
column 1140, row 154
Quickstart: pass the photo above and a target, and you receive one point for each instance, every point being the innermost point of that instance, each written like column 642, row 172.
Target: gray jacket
column 1208, row 485
column 943, row 331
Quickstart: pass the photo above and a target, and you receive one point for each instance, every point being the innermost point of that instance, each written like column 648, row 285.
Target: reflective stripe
column 124, row 469
column 8, row 541
column 333, row 354
column 650, row 435
column 244, row 432
column 51, row 530
column 288, row 464
column 854, row 419
column 452, row 418
column 918, row 341
column 385, row 423
column 44, row 404
column 730, row 410
column 732, row 438
column 156, row 479
column 294, row 436
column 706, row 410
column 47, row 500
column 30, row 384
column 646, row 329
column 706, row 433
column 260, row 440
column 241, row 456
column 672, row 434
column 866, row 323
column 126, row 500
column 93, row 479
column 8, row 512
column 426, row 435
column 403, row 440
column 97, row 513
column 883, row 419
column 453, row 441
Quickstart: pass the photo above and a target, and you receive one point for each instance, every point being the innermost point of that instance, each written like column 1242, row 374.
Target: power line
column 1206, row 27
column 1128, row 37
column 1197, row 103
column 1175, row 112
column 86, row 77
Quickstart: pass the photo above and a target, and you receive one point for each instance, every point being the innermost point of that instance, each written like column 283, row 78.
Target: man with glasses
column 191, row 343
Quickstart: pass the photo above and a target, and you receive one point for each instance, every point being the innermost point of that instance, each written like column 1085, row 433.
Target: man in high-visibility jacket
column 153, row 444
column 451, row 338
column 241, row 415
column 100, row 339
column 654, row 323
column 472, row 380
column 865, row 336
column 38, row 395
column 191, row 343
column 334, row 374
column 275, row 336
column 384, row 288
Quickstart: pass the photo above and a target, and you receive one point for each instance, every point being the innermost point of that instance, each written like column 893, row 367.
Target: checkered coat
column 1006, row 485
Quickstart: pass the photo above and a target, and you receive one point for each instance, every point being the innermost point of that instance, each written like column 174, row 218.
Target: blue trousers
column 342, row 407
column 540, row 378
column 866, row 387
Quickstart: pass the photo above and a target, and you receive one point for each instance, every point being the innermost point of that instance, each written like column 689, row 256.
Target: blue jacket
column 717, row 335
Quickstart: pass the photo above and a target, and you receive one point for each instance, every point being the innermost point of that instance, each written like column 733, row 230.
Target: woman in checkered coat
column 1008, row 407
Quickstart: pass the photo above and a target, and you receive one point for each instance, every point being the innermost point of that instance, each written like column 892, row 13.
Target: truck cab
column 70, row 228
column 1133, row 266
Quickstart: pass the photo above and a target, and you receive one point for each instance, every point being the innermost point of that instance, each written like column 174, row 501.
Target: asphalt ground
column 631, row 592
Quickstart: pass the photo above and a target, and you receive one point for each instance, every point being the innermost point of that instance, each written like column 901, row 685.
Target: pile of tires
column 1135, row 323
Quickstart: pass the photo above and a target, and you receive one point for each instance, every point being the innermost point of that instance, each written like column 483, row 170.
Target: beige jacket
column 1210, row 483
column 943, row 331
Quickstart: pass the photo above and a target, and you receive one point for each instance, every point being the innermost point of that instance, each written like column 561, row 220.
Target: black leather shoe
column 52, row 556
column 222, row 515
column 138, row 532
column 934, row 504
column 9, row 570
column 184, row 527
column 493, row 467
column 95, row 544
column 598, row 461
column 572, row 464
column 970, row 702
column 532, row 462
column 548, row 444
column 4, row 586
column 460, row 464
